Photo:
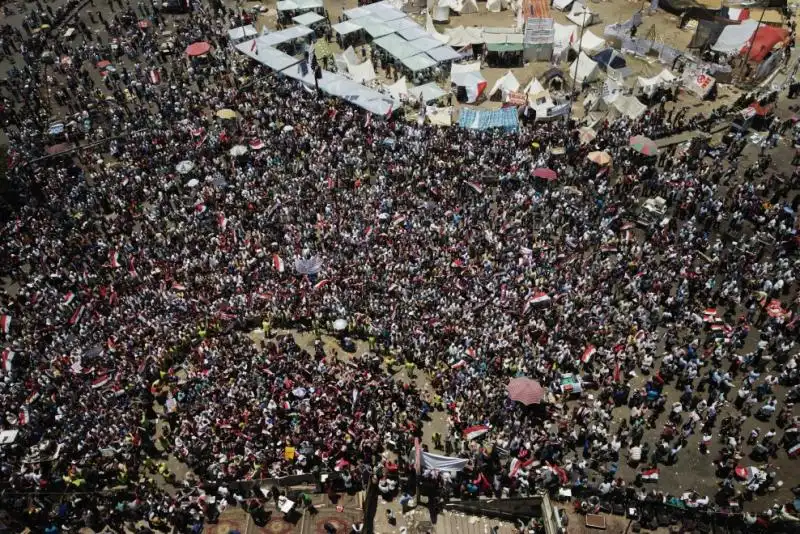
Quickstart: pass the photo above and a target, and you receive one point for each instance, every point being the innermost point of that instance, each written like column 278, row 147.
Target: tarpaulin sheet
column 764, row 40
column 474, row 119
column 707, row 32
column 735, row 36
column 443, row 463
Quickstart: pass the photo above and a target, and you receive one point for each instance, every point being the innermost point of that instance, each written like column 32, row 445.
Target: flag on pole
column 76, row 316
column 277, row 263
column 617, row 372
column 474, row 432
column 588, row 352
column 321, row 284
column 69, row 297
column 5, row 323
column 132, row 267
column 101, row 381
column 7, row 359
column 24, row 416
column 113, row 258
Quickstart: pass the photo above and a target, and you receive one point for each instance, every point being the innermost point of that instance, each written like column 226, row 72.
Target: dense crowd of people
column 136, row 268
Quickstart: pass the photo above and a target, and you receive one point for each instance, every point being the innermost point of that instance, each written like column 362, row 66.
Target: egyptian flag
column 794, row 450
column 68, row 298
column 588, row 352
column 101, row 381
column 199, row 207
column 475, row 91
column 368, row 232
column 517, row 465
column 277, row 263
column 617, row 372
column 560, row 473
column 321, row 284
column 7, row 359
column 178, row 287
column 132, row 267
column 24, row 416
column 5, row 323
column 474, row 432
column 475, row 186
column 113, row 258
column 155, row 76
column 650, row 474
column 222, row 222
column 459, row 365
column 76, row 316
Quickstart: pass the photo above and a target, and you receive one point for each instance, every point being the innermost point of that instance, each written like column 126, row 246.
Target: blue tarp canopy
column 610, row 58
column 474, row 119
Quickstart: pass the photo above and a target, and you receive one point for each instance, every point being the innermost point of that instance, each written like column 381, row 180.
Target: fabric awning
column 307, row 19
column 443, row 53
column 418, row 62
column 504, row 47
column 346, row 27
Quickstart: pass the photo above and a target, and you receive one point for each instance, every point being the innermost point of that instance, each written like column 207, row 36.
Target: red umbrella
column 103, row 64
column 545, row 174
column 525, row 390
column 198, row 49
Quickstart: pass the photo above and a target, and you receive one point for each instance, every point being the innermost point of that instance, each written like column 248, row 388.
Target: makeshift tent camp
column 494, row 6
column 562, row 5
column 610, row 58
column 581, row 15
column 763, row 41
column 399, row 89
column 507, row 83
column 459, row 69
column 590, row 43
column 648, row 86
column 584, row 69
column 735, row 36
column 539, row 98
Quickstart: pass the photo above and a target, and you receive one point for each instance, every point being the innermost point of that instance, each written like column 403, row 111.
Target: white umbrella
column 339, row 325
column 238, row 150
column 299, row 392
column 184, row 166
column 288, row 128
column 194, row 182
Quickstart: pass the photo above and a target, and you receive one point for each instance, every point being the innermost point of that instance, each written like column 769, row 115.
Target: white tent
column 564, row 35
column 591, row 43
column 399, row 89
column 350, row 57
column 432, row 30
column 363, row 72
column 628, row 106
column 458, row 69
column 494, row 6
column 441, row 14
column 462, row 7
column 539, row 98
column 427, row 92
column 507, row 83
column 461, row 36
column 584, row 69
column 649, row 86
column 581, row 15
column 562, row 5
column 534, row 87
